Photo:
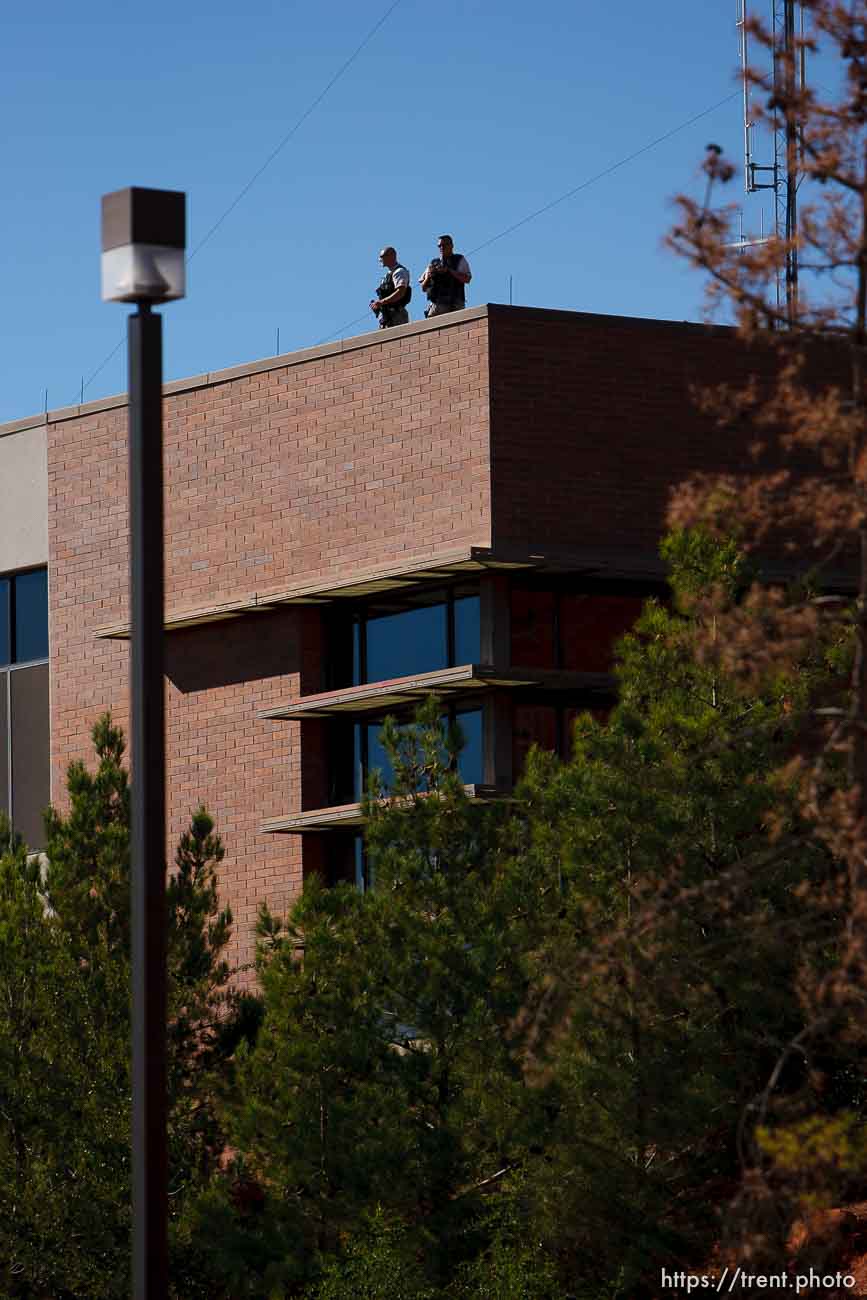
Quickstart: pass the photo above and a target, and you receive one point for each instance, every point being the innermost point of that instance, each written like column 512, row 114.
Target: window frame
column 358, row 616
column 563, row 586
column 450, row 711
column 12, row 578
column 562, row 704
column 15, row 665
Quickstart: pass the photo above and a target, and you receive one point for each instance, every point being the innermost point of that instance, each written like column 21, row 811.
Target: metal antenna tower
column 783, row 174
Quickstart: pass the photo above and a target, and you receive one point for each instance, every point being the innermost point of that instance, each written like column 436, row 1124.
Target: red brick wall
column 388, row 452
column 609, row 401
column 242, row 768
column 364, row 457
column 348, row 460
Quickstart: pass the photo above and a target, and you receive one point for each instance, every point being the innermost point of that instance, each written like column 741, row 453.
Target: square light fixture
column 143, row 245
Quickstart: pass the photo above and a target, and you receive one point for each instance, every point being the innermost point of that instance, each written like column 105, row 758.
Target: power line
column 113, row 353
column 340, row 332
column 245, row 189
column 652, row 144
column 291, row 132
column 660, row 139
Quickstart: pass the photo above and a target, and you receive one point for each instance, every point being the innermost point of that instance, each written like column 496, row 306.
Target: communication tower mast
column 782, row 174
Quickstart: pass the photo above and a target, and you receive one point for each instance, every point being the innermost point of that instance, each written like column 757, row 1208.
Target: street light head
column 143, row 243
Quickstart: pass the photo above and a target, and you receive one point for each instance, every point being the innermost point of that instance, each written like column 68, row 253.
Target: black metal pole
column 149, row 1143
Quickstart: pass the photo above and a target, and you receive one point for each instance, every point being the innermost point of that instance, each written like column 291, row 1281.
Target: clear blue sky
column 463, row 116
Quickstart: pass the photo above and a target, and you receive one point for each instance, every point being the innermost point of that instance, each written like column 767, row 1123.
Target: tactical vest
column 387, row 286
column 444, row 289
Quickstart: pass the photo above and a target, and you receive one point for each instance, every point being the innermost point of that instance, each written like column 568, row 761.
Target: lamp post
column 143, row 241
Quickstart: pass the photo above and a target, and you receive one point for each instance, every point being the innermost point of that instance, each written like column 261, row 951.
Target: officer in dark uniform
column 393, row 292
column 444, row 279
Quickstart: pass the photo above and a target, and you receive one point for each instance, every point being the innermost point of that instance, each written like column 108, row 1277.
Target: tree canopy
column 65, row 1039
column 534, row 1054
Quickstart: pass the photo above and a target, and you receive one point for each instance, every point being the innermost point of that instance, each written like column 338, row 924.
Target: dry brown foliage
column 814, row 511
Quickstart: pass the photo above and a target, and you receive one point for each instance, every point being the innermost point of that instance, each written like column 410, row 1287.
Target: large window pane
column 377, row 756
column 30, row 764
column 31, row 616
column 471, row 759
column 363, row 875
column 413, row 641
column 357, row 630
column 467, row 630
column 5, row 626
column 359, row 775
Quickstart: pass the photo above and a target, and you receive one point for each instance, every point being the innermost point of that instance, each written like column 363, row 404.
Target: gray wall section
column 23, row 499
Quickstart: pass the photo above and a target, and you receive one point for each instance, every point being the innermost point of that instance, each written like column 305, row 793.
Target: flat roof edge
column 211, row 378
column 356, row 342
column 573, row 316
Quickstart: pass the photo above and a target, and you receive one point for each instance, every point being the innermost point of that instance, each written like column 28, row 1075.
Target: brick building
column 470, row 506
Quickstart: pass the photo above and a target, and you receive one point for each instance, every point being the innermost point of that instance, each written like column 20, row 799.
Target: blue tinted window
column 357, row 763
column 377, row 758
column 31, row 616
column 413, row 641
column 471, row 759
column 5, row 630
column 467, row 630
column 361, row 882
column 357, row 678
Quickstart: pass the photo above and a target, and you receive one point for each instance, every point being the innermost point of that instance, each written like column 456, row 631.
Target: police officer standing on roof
column 393, row 292
column 444, row 279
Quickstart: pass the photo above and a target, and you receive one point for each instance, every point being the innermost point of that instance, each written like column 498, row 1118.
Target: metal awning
column 437, row 568
column 349, row 816
column 374, row 697
column 453, row 564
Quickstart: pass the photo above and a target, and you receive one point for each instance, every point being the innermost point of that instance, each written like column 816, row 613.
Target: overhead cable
column 245, row 189
column 660, row 139
column 340, row 332
column 652, row 144
column 300, row 122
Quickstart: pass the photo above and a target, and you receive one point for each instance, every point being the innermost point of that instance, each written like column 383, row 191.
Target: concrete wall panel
column 23, row 499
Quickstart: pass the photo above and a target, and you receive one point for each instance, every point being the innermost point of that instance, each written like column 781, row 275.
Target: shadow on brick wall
column 216, row 655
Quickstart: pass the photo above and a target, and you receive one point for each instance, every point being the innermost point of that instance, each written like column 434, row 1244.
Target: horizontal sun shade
column 189, row 618
column 444, row 682
column 471, row 560
column 474, row 559
column 343, row 817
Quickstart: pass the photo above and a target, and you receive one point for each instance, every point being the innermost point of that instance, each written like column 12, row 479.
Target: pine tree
column 534, row 1053
column 65, row 1038
column 387, row 1078
column 672, row 965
